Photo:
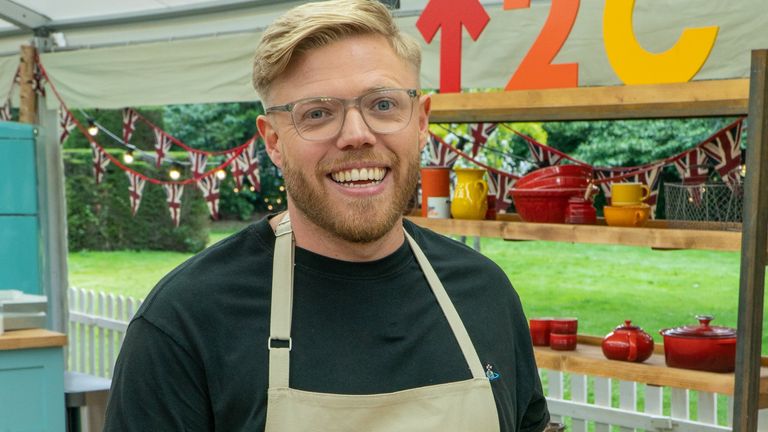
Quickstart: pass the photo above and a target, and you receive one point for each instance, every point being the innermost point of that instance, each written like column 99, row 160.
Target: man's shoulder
column 231, row 263
column 440, row 248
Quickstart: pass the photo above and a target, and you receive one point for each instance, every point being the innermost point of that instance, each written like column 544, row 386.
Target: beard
column 360, row 220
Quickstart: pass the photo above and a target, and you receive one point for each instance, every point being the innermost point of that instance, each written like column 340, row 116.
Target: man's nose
column 354, row 132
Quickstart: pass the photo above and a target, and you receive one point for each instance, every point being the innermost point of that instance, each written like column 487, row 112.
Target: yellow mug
column 626, row 194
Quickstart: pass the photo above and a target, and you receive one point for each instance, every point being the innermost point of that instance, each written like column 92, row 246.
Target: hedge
column 99, row 216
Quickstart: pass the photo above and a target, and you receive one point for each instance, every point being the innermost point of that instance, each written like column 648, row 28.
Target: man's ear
column 271, row 140
column 425, row 104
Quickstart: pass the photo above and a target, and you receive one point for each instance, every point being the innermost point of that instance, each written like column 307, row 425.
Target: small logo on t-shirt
column 492, row 376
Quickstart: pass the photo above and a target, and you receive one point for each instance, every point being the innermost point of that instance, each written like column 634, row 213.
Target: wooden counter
column 655, row 235
column 32, row 338
column 588, row 359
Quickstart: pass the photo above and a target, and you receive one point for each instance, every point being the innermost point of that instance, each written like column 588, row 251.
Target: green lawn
column 602, row 285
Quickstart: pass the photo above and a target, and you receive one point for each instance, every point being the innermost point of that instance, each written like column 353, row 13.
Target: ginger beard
column 360, row 220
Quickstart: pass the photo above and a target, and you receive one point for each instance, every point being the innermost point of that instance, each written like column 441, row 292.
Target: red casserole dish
column 543, row 205
column 702, row 347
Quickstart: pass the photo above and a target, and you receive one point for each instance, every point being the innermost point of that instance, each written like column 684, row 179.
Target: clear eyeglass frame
column 386, row 123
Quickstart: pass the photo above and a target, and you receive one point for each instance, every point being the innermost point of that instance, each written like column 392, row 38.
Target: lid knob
column 704, row 320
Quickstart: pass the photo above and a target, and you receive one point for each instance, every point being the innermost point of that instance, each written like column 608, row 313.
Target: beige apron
column 452, row 407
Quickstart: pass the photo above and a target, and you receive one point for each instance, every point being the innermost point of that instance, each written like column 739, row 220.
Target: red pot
column 702, row 347
column 628, row 343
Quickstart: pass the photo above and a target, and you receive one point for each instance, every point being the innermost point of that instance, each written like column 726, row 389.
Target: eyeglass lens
column 384, row 111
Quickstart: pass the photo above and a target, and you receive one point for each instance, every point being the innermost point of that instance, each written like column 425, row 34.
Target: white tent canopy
column 112, row 54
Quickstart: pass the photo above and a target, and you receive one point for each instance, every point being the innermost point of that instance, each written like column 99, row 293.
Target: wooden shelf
column 32, row 338
column 655, row 235
column 588, row 359
column 690, row 99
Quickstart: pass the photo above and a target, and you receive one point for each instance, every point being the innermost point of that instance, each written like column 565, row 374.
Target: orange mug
column 625, row 194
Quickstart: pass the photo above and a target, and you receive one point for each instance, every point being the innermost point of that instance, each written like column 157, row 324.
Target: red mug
column 540, row 329
column 562, row 342
column 565, row 325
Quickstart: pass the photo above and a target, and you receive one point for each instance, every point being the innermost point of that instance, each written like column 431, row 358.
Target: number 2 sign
column 630, row 61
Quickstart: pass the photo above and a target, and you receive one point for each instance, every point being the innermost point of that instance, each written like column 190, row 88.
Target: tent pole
column 754, row 237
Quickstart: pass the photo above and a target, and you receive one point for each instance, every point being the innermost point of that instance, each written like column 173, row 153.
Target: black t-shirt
column 195, row 356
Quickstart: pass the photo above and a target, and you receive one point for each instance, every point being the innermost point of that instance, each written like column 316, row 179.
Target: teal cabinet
column 20, row 254
column 18, row 175
column 32, row 381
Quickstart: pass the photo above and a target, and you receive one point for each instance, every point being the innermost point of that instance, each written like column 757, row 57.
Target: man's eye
column 384, row 105
column 316, row 114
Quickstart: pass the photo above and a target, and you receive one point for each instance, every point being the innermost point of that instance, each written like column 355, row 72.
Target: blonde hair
column 315, row 25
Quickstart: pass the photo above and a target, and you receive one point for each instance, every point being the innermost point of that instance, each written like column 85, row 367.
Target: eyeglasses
column 385, row 111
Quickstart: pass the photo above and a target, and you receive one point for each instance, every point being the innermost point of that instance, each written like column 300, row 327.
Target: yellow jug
column 470, row 196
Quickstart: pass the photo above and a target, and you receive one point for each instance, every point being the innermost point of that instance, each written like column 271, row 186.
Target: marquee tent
column 112, row 54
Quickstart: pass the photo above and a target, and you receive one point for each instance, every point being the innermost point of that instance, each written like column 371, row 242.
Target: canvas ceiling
column 133, row 57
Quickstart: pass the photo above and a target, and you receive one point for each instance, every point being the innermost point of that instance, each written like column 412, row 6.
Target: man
column 336, row 315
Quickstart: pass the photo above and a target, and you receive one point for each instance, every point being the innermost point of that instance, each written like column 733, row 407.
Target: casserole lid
column 703, row 330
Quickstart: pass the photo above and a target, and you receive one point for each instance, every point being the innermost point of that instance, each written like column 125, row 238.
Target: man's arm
column 157, row 385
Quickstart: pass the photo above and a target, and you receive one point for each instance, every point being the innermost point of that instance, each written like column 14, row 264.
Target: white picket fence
column 98, row 322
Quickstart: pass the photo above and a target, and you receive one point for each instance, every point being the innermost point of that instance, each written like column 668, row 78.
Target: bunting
column 648, row 175
column 66, row 124
column 724, row 149
column 5, row 111
column 499, row 185
column 210, row 187
column 173, row 194
column 39, row 78
column 162, row 146
column 480, row 133
column 693, row 168
column 237, row 169
column 439, row 154
column 129, row 124
column 199, row 161
column 100, row 162
column 135, row 188
column 249, row 165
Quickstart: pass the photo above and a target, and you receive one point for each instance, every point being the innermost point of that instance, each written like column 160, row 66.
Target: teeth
column 363, row 174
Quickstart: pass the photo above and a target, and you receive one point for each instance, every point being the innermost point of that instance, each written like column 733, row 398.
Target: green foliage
column 212, row 126
column 99, row 216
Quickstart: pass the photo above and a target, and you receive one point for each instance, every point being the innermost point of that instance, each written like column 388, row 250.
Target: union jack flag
column 480, row 133
column 439, row 153
column 66, row 124
column 198, row 161
column 724, row 149
column 39, row 83
column 693, row 169
column 544, row 155
column 129, row 123
column 249, row 165
column 5, row 111
column 135, row 187
column 173, row 194
column 162, row 145
column 210, row 187
column 499, row 185
column 236, row 169
column 100, row 162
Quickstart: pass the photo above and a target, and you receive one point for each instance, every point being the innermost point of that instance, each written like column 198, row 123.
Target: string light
column 93, row 130
column 221, row 174
column 174, row 173
column 252, row 188
column 270, row 207
column 235, row 190
column 282, row 188
column 279, row 201
column 744, row 170
column 128, row 157
column 266, row 200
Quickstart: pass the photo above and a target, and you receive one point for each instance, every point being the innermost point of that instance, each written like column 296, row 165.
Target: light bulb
column 235, row 190
column 221, row 174
column 128, row 157
column 282, row 188
column 270, row 207
column 253, row 189
column 279, row 201
column 93, row 130
column 174, row 173
column 266, row 200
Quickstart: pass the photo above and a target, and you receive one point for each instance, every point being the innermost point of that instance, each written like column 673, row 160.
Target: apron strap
column 279, row 342
column 454, row 320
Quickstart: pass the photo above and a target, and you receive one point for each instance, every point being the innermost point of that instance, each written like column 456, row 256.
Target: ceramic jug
column 470, row 196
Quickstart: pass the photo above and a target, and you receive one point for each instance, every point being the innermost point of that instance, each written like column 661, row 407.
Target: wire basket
column 714, row 206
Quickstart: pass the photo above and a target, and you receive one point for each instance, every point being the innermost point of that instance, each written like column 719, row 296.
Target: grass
column 602, row 285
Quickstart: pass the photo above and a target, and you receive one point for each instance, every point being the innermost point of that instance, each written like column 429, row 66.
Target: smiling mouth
column 359, row 177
